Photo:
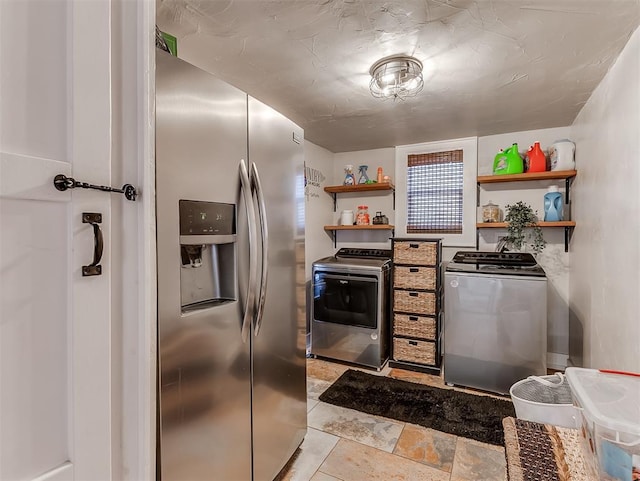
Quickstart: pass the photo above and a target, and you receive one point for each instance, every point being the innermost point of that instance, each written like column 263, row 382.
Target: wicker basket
column 414, row 326
column 421, row 352
column 417, row 253
column 415, row 302
column 414, row 277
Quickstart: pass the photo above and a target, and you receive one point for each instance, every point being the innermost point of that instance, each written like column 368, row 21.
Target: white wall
column 553, row 258
column 605, row 263
column 319, row 205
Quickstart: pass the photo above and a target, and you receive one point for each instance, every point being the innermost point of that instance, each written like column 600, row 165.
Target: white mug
column 346, row 217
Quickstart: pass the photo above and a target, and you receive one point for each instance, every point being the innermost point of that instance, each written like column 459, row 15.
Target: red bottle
column 537, row 159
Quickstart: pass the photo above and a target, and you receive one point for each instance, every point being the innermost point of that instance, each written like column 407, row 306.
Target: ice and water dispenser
column 207, row 251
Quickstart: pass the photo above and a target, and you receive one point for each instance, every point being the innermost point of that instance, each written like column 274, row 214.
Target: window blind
column 434, row 192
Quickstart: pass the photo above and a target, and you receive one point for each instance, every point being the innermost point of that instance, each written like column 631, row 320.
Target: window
column 436, row 191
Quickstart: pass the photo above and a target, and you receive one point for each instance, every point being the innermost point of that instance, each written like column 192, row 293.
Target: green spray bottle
column 508, row 162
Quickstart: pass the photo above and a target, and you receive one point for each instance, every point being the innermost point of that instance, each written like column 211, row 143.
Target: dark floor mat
column 468, row 415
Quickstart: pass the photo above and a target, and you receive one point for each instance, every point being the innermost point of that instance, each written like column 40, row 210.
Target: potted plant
column 519, row 217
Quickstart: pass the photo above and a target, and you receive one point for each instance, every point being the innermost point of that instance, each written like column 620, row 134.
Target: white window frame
column 469, row 146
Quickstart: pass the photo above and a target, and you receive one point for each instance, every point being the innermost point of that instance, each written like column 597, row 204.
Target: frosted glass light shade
column 398, row 76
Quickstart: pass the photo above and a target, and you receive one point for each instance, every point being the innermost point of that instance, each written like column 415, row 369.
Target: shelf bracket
column 334, row 234
column 477, row 195
column 566, row 239
column 477, row 238
column 394, row 199
column 567, row 183
column 335, row 201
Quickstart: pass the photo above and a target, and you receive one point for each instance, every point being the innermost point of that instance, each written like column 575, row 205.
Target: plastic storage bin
column 545, row 399
column 610, row 407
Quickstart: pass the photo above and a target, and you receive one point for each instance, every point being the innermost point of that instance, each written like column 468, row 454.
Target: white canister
column 561, row 155
column 346, row 217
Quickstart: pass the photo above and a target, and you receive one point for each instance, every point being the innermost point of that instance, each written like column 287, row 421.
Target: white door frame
column 131, row 51
column 131, row 54
column 133, row 96
column 139, row 334
column 133, row 310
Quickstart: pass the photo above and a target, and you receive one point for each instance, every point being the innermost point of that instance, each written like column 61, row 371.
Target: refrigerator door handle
column 249, row 306
column 262, row 211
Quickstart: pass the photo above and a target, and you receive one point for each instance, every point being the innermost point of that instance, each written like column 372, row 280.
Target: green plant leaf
column 521, row 226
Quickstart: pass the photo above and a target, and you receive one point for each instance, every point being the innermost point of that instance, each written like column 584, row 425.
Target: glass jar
column 362, row 218
column 490, row 213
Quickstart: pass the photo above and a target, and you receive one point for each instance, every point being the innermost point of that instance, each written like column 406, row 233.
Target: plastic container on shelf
column 346, row 217
column 545, row 399
column 508, row 162
column 610, row 413
column 553, row 211
column 537, row 161
column 562, row 155
column 349, row 178
column 364, row 178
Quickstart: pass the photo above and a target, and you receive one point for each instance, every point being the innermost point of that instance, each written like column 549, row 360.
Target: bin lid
column 611, row 400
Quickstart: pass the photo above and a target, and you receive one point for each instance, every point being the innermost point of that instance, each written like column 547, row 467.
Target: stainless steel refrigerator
column 230, row 243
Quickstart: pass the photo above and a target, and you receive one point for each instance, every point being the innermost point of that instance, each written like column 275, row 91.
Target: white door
column 55, row 333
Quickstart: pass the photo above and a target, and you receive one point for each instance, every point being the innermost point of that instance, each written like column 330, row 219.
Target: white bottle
column 561, row 155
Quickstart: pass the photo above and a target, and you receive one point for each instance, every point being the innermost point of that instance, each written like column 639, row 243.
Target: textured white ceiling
column 491, row 66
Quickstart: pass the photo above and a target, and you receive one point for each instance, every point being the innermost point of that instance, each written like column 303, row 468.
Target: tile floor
column 347, row 445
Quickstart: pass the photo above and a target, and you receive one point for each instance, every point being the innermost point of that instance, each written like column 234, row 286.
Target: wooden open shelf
column 553, row 174
column 359, row 227
column 334, row 190
column 498, row 225
column 568, row 225
column 566, row 175
column 339, row 189
column 333, row 228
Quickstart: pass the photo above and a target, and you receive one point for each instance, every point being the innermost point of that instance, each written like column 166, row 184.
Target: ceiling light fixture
column 397, row 77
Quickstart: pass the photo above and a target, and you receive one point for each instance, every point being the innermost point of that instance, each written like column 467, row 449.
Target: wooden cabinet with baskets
column 416, row 323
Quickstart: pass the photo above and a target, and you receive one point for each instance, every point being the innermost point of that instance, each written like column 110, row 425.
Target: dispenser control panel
column 207, row 218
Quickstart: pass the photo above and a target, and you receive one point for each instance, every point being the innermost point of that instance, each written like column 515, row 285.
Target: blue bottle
column 553, row 205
